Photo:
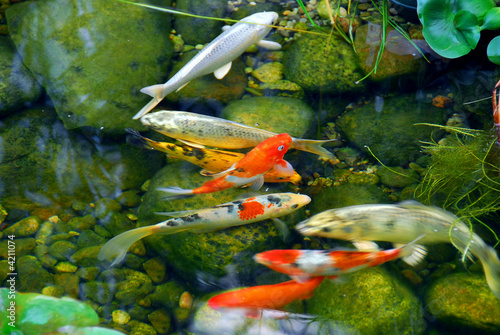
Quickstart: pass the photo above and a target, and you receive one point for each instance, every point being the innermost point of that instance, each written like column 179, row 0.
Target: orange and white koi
column 235, row 213
column 302, row 264
column 212, row 161
column 258, row 298
column 249, row 170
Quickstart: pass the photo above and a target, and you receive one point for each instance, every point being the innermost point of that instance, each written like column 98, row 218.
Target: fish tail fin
column 117, row 247
column 491, row 266
column 175, row 192
column 136, row 139
column 315, row 147
column 158, row 92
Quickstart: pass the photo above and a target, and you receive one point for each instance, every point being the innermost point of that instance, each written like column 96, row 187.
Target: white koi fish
column 402, row 223
column 217, row 56
column 235, row 213
column 198, row 130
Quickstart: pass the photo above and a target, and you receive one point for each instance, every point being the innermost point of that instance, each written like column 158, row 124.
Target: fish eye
column 281, row 147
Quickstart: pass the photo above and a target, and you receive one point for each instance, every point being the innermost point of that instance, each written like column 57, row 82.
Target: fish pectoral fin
column 269, row 45
column 220, row 174
column 222, row 71
column 257, row 183
column 226, row 27
column 281, row 227
column 301, row 278
column 284, row 168
column 366, row 245
column 192, row 144
column 416, row 254
column 180, row 88
column 206, row 173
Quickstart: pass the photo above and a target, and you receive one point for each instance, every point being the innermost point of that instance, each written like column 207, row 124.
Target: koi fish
column 217, row 56
column 249, row 170
column 401, row 223
column 303, row 264
column 200, row 130
column 212, row 161
column 235, row 213
column 256, row 299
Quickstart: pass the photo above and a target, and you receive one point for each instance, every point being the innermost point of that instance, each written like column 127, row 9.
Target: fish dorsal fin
column 178, row 213
column 284, row 168
column 180, row 88
column 192, row 144
column 222, row 71
column 257, row 183
column 269, row 45
column 366, row 245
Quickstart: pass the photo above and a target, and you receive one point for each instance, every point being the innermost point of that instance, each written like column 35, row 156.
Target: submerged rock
column 387, row 127
column 47, row 164
column 318, row 63
column 372, row 302
column 464, row 302
column 276, row 114
column 17, row 85
column 92, row 57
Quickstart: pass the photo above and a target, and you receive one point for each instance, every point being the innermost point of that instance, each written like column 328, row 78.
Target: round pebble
column 120, row 317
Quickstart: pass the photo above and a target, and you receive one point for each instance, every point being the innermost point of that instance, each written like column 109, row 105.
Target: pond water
column 76, row 170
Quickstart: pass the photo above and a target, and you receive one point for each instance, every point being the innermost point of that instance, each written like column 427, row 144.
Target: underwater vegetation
column 464, row 174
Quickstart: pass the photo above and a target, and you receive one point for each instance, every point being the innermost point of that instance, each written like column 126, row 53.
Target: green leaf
column 477, row 7
column 493, row 50
column 467, row 23
column 492, row 19
column 439, row 28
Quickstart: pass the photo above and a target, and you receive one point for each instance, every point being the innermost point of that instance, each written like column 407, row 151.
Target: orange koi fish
column 303, row 264
column 249, row 170
column 212, row 161
column 258, row 298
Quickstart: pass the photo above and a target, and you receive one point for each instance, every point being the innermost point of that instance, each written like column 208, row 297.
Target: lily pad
column 493, row 50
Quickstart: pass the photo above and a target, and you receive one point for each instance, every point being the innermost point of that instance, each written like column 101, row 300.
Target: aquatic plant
column 452, row 28
column 464, row 174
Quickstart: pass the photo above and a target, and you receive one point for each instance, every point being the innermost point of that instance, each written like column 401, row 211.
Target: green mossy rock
column 31, row 276
column 209, row 253
column 346, row 195
column 25, row 227
column 399, row 57
column 322, row 65
column 50, row 164
column 276, row 114
column 93, row 58
column 209, row 88
column 397, row 176
column 373, row 302
column 17, row 85
column 388, row 128
column 464, row 302
column 199, row 31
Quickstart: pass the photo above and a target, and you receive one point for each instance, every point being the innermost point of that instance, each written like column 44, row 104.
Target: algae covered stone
column 373, row 302
column 387, row 127
column 17, row 85
column 319, row 63
column 92, row 58
column 276, row 114
column 464, row 302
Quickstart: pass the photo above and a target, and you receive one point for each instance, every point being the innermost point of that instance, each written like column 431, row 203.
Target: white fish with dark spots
column 235, row 213
column 402, row 223
column 217, row 56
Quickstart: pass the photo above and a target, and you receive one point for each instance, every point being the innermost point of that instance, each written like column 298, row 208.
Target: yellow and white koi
column 402, row 223
column 235, row 213
column 200, row 130
column 217, row 56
